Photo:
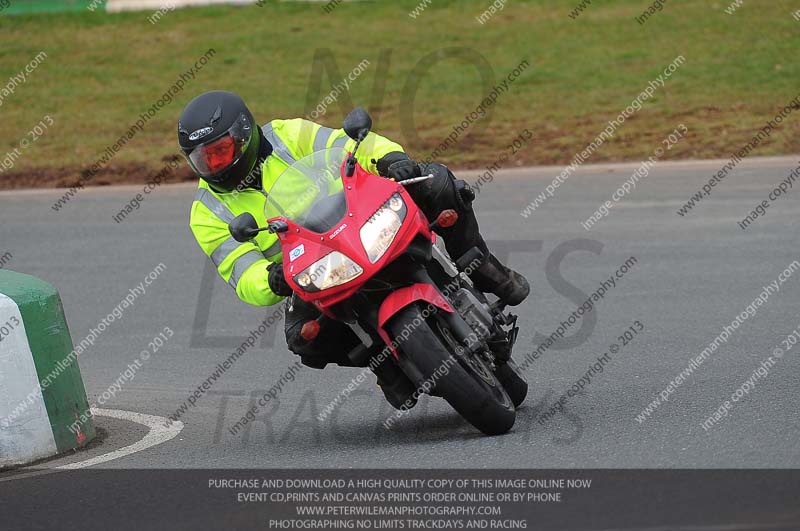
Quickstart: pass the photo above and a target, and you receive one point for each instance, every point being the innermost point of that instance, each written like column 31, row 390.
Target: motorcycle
column 356, row 246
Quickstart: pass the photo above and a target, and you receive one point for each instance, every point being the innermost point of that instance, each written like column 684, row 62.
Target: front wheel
column 467, row 384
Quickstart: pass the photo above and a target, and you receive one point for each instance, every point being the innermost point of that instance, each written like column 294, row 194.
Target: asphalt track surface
column 693, row 275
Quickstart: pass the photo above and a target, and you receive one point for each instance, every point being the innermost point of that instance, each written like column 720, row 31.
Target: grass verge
column 425, row 74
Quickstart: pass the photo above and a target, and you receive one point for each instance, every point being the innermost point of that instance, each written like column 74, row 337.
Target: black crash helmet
column 218, row 136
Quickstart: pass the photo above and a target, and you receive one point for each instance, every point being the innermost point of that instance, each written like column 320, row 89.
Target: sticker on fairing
column 297, row 252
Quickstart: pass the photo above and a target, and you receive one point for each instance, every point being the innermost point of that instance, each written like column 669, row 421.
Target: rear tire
column 511, row 377
column 472, row 390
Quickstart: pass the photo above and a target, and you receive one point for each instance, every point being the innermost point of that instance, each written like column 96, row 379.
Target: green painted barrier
column 41, row 390
column 23, row 7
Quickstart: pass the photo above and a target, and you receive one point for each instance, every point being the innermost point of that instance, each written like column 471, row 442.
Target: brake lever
column 415, row 180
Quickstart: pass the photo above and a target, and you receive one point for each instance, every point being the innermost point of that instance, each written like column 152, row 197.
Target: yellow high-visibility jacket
column 244, row 265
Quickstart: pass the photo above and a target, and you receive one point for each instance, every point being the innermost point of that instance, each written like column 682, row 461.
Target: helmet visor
column 218, row 155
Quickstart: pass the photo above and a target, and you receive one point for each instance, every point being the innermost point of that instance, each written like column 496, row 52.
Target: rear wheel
column 513, row 382
column 465, row 381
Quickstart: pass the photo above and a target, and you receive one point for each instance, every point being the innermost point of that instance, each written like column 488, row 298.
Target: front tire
column 469, row 387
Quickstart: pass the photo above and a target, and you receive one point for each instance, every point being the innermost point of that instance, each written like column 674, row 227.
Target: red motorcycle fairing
column 404, row 297
column 365, row 194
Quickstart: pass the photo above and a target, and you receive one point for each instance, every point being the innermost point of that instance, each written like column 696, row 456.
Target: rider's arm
column 241, row 265
column 374, row 148
column 305, row 137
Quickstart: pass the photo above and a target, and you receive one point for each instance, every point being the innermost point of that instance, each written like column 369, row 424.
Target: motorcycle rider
column 238, row 162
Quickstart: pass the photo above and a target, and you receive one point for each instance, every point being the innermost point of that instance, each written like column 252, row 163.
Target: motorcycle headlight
column 329, row 271
column 379, row 231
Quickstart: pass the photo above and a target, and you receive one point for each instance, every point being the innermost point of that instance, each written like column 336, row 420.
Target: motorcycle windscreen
column 310, row 192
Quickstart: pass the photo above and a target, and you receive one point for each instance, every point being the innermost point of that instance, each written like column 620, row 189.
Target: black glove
column 396, row 165
column 404, row 169
column 277, row 282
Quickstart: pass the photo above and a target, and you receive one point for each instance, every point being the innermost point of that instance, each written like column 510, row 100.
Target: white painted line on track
column 161, row 431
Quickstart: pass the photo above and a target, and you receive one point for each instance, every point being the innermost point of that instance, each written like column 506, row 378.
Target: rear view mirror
column 357, row 124
column 244, row 228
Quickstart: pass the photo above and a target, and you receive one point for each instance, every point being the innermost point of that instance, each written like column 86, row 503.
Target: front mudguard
column 402, row 298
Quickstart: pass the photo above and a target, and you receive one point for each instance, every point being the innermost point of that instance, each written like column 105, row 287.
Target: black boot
column 396, row 387
column 493, row 277
column 400, row 395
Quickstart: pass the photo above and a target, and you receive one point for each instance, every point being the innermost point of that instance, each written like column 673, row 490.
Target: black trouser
column 434, row 195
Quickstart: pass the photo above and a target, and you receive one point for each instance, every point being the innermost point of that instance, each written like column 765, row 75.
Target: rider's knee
column 309, row 356
column 295, row 341
column 331, row 345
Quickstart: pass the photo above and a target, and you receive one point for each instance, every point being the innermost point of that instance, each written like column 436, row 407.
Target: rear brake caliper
column 502, row 343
